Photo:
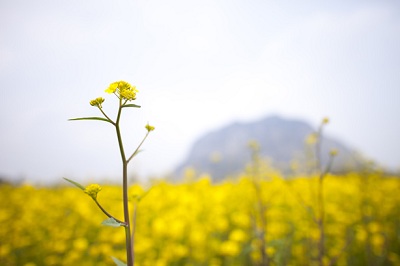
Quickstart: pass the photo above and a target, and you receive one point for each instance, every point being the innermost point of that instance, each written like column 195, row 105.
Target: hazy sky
column 198, row 65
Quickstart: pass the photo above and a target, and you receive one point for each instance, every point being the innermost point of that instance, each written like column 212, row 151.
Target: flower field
column 236, row 222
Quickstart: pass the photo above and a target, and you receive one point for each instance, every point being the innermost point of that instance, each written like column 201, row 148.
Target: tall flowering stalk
column 125, row 93
column 320, row 216
column 318, row 213
column 260, row 211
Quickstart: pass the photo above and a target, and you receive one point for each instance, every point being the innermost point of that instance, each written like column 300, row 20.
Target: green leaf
column 111, row 222
column 131, row 105
column 118, row 262
column 90, row 118
column 75, row 183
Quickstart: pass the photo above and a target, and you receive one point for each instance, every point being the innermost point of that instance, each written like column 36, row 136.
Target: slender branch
column 138, row 147
column 121, row 146
column 321, row 210
column 318, row 149
column 261, row 230
column 106, row 116
column 134, row 230
column 107, row 213
column 129, row 250
column 320, row 197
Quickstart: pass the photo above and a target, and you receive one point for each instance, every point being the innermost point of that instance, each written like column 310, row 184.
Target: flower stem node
column 92, row 190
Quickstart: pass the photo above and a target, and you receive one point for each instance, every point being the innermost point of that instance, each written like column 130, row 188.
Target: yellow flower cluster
column 92, row 190
column 97, row 102
column 201, row 223
column 123, row 90
column 149, row 128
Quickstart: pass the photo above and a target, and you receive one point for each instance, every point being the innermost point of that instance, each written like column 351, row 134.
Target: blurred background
column 198, row 66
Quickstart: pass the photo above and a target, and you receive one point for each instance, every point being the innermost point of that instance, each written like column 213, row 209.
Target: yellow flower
column 149, row 128
column 123, row 90
column 128, row 94
column 92, row 190
column 97, row 102
column 325, row 120
column 112, row 88
column 230, row 248
column 333, row 152
column 311, row 139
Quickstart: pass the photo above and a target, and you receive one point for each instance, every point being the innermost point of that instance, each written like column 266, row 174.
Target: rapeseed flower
column 92, row 190
column 333, row 152
column 149, row 128
column 325, row 120
column 123, row 90
column 215, row 225
column 97, row 102
column 311, row 139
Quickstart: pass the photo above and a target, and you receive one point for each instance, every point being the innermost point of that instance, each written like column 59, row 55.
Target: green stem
column 121, row 145
column 320, row 221
column 106, row 116
column 138, row 147
column 321, row 215
column 261, row 209
column 107, row 213
column 134, row 230
column 320, row 198
column 129, row 250
column 318, row 149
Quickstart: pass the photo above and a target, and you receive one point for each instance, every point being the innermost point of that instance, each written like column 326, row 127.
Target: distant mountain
column 225, row 151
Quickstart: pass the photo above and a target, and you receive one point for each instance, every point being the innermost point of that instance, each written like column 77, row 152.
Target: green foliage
column 90, row 118
column 131, row 105
column 118, row 262
column 75, row 183
column 111, row 222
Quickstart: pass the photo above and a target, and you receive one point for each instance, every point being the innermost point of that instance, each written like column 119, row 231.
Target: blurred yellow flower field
column 201, row 223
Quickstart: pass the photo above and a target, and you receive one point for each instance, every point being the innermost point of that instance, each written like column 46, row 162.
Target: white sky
column 198, row 65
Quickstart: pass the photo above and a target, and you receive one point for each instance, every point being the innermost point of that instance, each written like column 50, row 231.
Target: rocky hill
column 225, row 151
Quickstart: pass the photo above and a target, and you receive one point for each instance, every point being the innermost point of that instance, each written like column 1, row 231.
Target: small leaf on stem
column 111, row 222
column 131, row 105
column 90, row 118
column 75, row 183
column 118, row 262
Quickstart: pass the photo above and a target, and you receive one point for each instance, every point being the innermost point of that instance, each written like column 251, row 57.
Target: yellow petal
column 112, row 88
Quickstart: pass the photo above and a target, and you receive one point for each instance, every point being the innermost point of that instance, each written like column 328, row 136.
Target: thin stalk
column 320, row 220
column 261, row 209
column 137, row 149
column 320, row 198
column 262, row 236
column 321, row 213
column 129, row 251
column 106, row 116
column 318, row 149
column 134, row 230
column 108, row 214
